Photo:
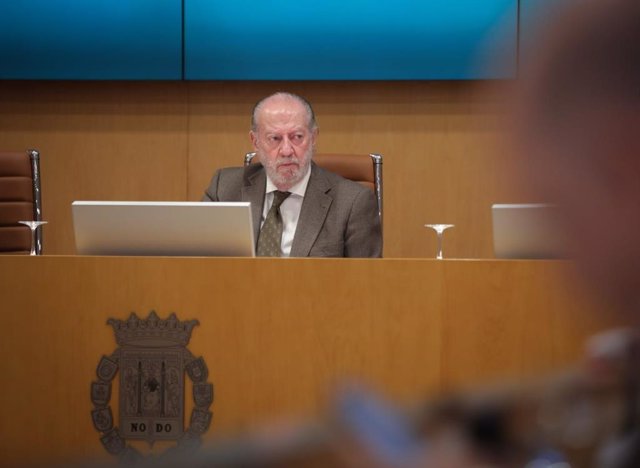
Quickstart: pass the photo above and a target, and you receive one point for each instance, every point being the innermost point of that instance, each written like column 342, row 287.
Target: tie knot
column 279, row 197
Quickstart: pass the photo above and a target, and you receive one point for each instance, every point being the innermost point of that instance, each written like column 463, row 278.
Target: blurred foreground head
column 578, row 128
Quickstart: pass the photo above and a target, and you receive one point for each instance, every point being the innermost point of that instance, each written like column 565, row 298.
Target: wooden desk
column 275, row 333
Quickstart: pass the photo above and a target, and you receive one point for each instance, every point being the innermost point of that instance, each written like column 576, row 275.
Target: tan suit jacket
column 338, row 218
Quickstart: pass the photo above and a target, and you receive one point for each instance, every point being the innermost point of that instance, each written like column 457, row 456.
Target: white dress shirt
column 289, row 210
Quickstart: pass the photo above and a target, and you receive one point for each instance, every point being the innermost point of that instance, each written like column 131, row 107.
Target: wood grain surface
column 276, row 334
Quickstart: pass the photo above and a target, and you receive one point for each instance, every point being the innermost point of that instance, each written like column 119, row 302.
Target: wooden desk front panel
column 275, row 334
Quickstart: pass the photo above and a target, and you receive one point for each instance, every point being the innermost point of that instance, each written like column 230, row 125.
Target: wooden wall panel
column 444, row 161
column 98, row 141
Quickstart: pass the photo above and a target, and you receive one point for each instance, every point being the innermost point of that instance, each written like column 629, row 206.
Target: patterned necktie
column 270, row 236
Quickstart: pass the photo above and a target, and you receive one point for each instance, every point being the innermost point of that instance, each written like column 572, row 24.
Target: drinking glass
column 33, row 225
column 439, row 228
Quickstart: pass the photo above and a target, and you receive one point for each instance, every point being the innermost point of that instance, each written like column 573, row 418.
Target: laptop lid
column 163, row 228
column 526, row 231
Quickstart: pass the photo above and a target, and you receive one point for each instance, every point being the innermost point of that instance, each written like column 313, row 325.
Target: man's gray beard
column 281, row 181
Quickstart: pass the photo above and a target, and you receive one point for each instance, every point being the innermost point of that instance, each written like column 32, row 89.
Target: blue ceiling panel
column 350, row 39
column 91, row 39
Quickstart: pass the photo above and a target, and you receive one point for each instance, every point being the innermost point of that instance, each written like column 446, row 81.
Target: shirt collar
column 298, row 189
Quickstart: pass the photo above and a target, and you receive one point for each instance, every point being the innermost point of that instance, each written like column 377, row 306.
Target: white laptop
column 163, row 228
column 526, row 231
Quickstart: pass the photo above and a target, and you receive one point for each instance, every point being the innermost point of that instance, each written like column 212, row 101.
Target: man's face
column 283, row 141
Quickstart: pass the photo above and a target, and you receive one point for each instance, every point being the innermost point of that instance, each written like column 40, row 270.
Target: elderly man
column 301, row 209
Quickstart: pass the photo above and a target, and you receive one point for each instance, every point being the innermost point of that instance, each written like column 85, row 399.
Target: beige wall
column 163, row 140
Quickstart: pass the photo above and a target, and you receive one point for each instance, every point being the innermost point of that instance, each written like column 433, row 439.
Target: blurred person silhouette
column 578, row 128
column 578, row 132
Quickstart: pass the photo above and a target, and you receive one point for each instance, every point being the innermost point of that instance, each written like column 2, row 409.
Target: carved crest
column 203, row 394
column 107, row 369
column 200, row 421
column 151, row 360
column 100, row 393
column 102, row 419
column 197, row 370
column 112, row 441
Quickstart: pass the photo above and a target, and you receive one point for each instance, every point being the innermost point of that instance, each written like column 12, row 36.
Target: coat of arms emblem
column 151, row 359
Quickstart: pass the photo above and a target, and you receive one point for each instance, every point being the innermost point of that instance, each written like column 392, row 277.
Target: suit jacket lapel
column 315, row 207
column 255, row 183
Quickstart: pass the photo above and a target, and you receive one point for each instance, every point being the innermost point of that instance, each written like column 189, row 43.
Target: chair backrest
column 20, row 200
column 366, row 169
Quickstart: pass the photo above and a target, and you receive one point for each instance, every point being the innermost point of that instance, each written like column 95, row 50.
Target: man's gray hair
column 281, row 94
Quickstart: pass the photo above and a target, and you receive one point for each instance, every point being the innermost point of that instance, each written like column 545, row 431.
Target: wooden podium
column 276, row 334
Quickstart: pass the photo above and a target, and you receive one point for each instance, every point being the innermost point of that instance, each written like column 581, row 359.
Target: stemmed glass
column 439, row 228
column 33, row 225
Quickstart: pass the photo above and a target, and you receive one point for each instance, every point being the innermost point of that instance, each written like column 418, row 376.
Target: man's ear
column 314, row 136
column 254, row 140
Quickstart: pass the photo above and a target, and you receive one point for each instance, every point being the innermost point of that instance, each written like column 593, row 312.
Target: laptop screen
column 163, row 228
column 527, row 231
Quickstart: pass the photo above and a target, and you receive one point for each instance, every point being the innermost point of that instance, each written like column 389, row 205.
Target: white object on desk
column 163, row 228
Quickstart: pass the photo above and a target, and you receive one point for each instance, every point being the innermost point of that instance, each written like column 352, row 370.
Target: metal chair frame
column 34, row 162
column 34, row 156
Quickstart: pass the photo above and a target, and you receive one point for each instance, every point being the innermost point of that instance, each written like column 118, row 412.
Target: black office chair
column 20, row 200
column 366, row 169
